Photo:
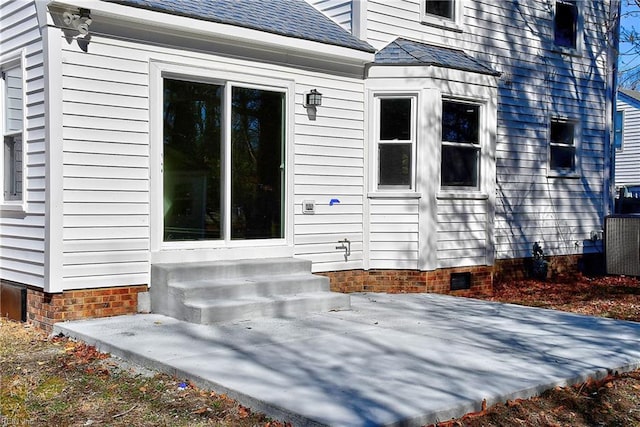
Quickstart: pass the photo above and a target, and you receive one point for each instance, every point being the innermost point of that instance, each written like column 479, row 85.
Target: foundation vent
column 460, row 281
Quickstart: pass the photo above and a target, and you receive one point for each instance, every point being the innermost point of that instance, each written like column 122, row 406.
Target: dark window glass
column 395, row 119
column 460, row 122
column 440, row 8
column 562, row 151
column 566, row 24
column 460, row 151
column 192, row 161
column 459, row 166
column 563, row 158
column 395, row 164
column 257, row 159
column 562, row 133
column 13, row 168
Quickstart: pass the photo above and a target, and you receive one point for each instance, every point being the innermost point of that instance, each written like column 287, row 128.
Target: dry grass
column 57, row 382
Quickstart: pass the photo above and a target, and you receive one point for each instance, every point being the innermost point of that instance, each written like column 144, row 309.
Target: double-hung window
column 440, row 8
column 461, row 145
column 442, row 13
column 562, row 146
column 396, row 142
column 12, row 130
column 565, row 24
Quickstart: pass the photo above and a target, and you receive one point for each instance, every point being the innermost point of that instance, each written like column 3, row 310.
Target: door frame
column 224, row 249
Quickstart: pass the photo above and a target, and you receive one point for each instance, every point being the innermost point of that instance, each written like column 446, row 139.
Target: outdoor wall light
column 314, row 98
column 78, row 21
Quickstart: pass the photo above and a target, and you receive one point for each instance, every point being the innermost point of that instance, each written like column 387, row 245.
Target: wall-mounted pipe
column 345, row 245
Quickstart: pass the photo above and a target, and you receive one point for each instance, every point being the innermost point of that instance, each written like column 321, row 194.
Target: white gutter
column 231, row 34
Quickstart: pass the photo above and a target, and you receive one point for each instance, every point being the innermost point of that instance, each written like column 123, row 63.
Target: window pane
column 460, row 122
column 191, row 160
column 13, row 100
column 459, row 166
column 563, row 157
column 618, row 129
column 12, row 168
column 395, row 164
column 565, row 23
column 562, row 133
column 257, row 164
column 440, row 8
column 395, row 119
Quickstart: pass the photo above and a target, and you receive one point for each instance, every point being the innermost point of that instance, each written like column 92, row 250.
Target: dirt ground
column 50, row 381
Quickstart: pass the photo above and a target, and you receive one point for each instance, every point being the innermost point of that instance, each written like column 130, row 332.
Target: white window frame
column 577, row 134
column 12, row 202
column 479, row 146
column 412, row 140
column 187, row 251
column 454, row 23
column 579, row 44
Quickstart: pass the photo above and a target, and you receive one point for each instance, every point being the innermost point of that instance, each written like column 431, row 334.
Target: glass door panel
column 257, row 164
column 192, row 156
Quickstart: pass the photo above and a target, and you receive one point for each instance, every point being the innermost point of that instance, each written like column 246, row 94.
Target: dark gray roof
column 630, row 93
column 407, row 52
column 292, row 18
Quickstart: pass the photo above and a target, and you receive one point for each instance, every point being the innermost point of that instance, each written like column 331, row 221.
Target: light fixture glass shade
column 314, row 98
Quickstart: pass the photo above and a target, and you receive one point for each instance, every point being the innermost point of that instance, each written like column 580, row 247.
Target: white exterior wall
column 428, row 227
column 22, row 227
column 338, row 10
column 110, row 134
column 628, row 158
column 517, row 39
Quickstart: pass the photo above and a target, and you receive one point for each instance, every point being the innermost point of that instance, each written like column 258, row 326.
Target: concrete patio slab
column 392, row 360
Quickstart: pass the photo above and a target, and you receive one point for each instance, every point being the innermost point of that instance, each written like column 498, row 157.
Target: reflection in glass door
column 194, row 147
column 256, row 164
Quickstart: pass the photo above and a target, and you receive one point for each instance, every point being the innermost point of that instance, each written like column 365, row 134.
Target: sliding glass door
column 223, row 174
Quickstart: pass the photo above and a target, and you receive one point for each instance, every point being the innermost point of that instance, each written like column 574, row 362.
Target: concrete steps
column 242, row 289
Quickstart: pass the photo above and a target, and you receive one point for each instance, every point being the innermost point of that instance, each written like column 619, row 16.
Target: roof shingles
column 291, row 18
column 407, row 52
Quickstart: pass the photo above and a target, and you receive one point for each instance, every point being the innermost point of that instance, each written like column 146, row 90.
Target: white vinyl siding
column 338, row 10
column 329, row 164
column 108, row 216
column 22, row 221
column 462, row 232
column 539, row 81
column 628, row 158
column 393, row 233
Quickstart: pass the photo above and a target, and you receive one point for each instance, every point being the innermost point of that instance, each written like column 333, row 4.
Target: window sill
column 570, row 51
column 461, row 195
column 17, row 207
column 394, row 195
column 568, row 175
column 443, row 24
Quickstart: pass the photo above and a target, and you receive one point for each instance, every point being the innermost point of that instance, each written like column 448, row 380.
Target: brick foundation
column 411, row 281
column 560, row 268
column 45, row 309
